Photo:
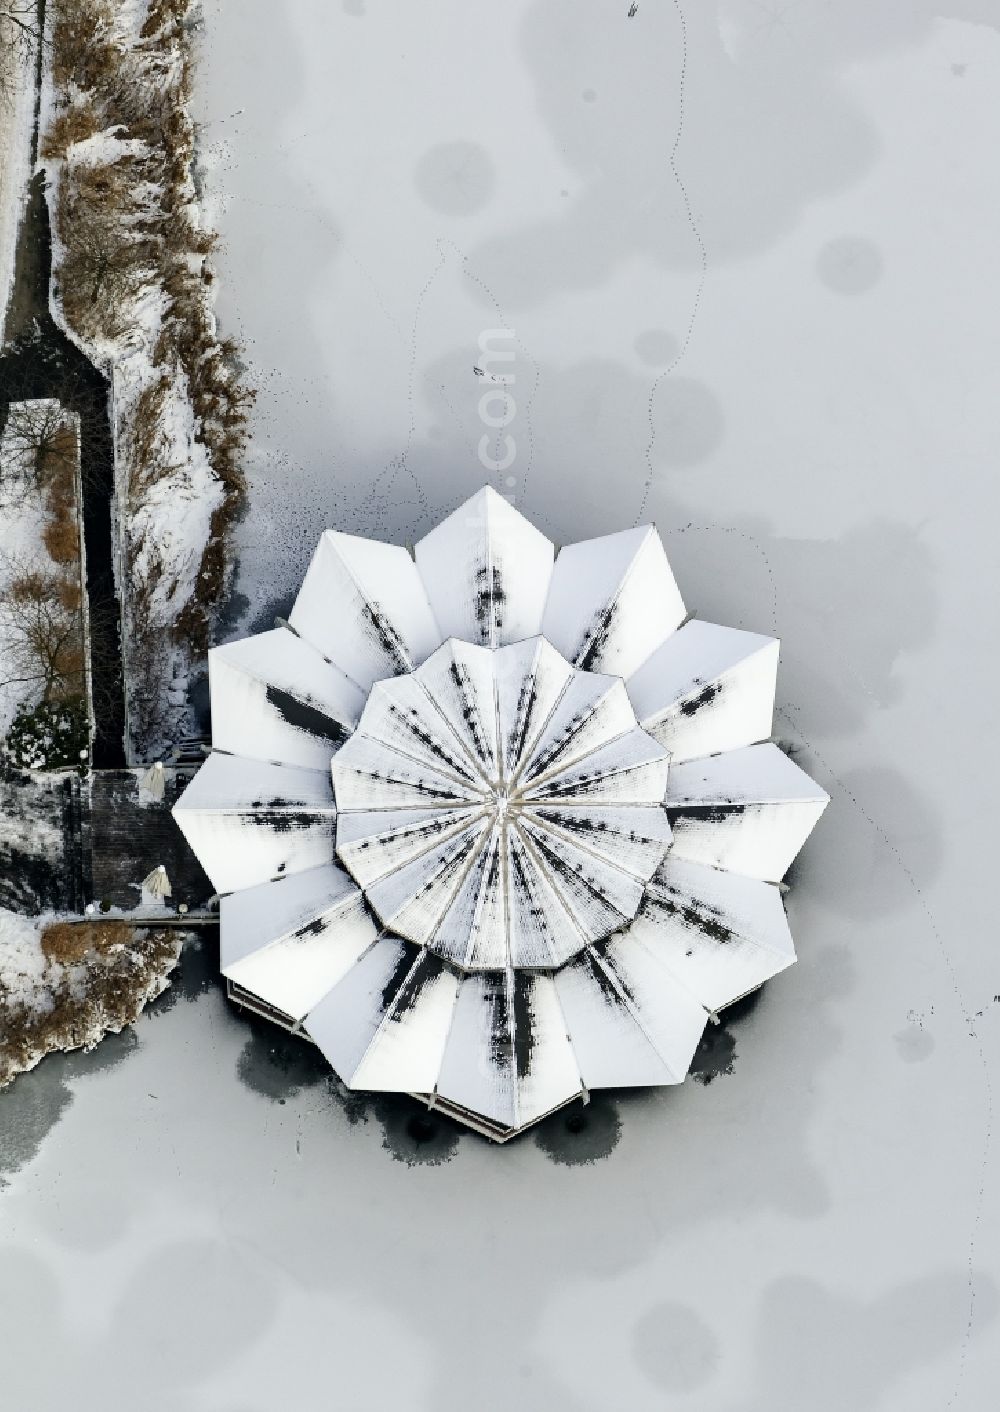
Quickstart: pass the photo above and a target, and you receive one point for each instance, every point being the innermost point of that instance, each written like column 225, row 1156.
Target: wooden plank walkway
column 131, row 834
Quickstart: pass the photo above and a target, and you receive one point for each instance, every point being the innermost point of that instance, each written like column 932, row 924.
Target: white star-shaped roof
column 493, row 826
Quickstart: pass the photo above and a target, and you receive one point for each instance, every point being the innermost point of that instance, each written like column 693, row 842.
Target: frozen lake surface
column 746, row 253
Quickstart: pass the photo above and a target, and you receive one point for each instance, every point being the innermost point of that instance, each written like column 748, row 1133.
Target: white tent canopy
column 490, row 825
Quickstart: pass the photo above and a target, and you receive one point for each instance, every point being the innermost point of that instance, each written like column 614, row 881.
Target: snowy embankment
column 132, row 285
column 64, row 985
column 16, row 113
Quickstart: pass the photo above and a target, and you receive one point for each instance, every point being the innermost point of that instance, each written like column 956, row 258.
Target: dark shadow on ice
column 279, row 1066
column 32, row 1105
column 582, row 1133
column 716, row 1053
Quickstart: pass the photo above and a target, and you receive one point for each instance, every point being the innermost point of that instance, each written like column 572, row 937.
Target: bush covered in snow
column 54, row 735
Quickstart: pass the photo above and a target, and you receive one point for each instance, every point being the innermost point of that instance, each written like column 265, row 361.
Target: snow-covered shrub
column 54, row 735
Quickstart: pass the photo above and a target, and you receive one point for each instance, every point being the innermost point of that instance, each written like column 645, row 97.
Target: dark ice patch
column 489, row 600
column 716, row 1053
column 698, row 915
column 382, row 630
column 196, row 973
column 595, row 642
column 581, row 1134
column 33, row 1104
column 278, row 1065
column 703, row 813
column 710, row 692
column 303, row 717
column 524, row 1024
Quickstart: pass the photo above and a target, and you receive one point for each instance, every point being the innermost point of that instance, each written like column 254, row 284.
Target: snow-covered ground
column 56, row 993
column 16, row 113
column 746, row 253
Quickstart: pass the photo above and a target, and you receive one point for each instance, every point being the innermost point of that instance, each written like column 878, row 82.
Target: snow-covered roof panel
column 385, row 1024
column 235, row 783
column 309, row 953
column 530, row 678
column 259, row 915
column 546, row 1068
column 487, row 571
column 276, row 698
column 508, row 1057
column 412, row 899
column 459, row 680
column 632, row 769
column 474, row 930
column 599, row 895
column 363, row 605
column 397, row 713
column 248, row 821
column 477, row 1069
column 633, row 836
column 706, row 689
column 611, row 1047
column 749, row 811
column 719, row 933
column 612, row 601
column 672, row 1017
column 372, row 774
column 374, row 844
column 592, row 711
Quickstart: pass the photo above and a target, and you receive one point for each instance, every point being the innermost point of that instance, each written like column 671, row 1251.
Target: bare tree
column 39, row 448
column 21, row 33
column 42, row 630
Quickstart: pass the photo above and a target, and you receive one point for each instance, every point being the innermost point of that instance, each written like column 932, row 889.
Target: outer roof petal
column 248, row 821
column 385, row 1025
column 276, row 698
column 612, row 601
column 487, row 571
column 508, row 1059
column 720, row 934
column 628, row 1027
column 364, row 606
column 288, row 942
column 749, row 811
column 706, row 689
